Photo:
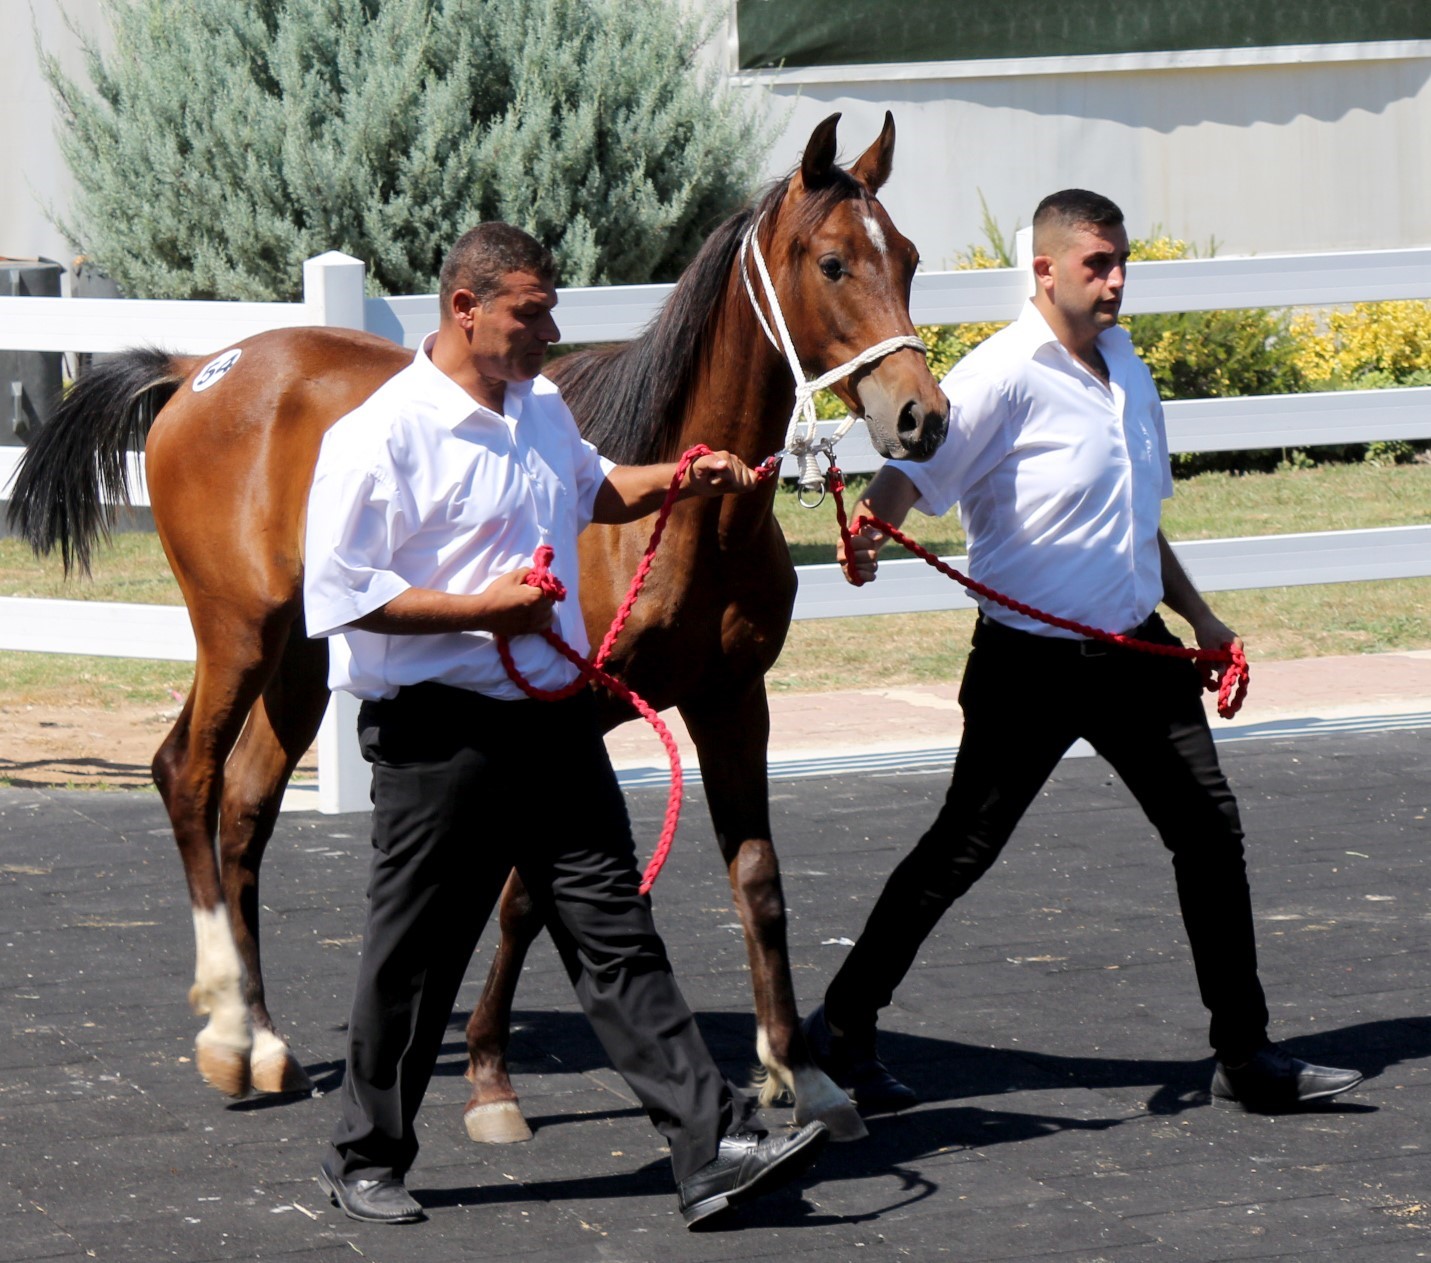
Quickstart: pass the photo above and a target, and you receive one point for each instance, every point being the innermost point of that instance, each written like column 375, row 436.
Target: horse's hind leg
column 492, row 1115
column 188, row 770
column 280, row 728
column 731, row 733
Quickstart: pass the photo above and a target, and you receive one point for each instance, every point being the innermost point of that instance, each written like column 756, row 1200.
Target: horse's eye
column 832, row 267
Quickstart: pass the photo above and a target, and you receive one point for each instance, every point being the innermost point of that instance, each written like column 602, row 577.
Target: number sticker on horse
column 215, row 369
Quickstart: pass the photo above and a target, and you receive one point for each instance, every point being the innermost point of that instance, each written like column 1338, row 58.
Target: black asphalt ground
column 1052, row 1027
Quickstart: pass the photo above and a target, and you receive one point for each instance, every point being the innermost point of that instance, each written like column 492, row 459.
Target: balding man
column 1058, row 459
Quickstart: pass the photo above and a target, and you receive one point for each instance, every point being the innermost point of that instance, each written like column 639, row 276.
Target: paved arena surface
column 1052, row 1027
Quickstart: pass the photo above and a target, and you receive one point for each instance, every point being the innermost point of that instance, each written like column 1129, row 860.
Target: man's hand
column 1212, row 633
column 859, row 561
column 889, row 497
column 514, row 606
column 719, row 474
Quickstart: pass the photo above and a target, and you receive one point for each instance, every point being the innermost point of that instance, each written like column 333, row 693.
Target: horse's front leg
column 731, row 735
column 492, row 1115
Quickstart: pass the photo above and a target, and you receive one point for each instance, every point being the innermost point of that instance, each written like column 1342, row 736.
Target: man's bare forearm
column 889, row 497
column 630, row 492
column 1182, row 597
column 506, row 607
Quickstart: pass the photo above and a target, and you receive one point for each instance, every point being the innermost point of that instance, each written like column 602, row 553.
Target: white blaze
column 876, row 233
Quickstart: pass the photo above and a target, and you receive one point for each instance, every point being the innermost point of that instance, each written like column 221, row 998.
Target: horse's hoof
column 500, row 1123
column 819, row 1099
column 224, row 1068
column 279, row 1074
column 843, row 1120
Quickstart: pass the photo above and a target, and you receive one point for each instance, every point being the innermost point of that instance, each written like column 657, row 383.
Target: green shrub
column 1390, row 452
column 225, row 141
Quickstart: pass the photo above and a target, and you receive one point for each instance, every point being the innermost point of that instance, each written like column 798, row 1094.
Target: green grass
column 130, row 568
column 894, row 649
column 1325, row 498
column 107, row 683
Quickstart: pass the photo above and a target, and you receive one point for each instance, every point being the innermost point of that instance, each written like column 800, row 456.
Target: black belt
column 988, row 630
column 449, row 699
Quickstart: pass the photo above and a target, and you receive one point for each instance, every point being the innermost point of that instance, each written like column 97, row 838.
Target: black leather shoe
column 1273, row 1081
column 746, row 1166
column 851, row 1062
column 372, row 1201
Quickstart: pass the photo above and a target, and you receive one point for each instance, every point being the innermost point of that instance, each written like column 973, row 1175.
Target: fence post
column 333, row 285
column 344, row 777
column 1024, row 256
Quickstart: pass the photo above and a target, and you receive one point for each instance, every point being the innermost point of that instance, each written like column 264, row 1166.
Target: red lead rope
column 1230, row 693
column 542, row 577
column 1233, row 679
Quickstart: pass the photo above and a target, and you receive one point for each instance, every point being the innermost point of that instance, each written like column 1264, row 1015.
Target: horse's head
column 842, row 273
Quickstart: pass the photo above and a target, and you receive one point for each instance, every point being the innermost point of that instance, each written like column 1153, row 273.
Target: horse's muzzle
column 919, row 430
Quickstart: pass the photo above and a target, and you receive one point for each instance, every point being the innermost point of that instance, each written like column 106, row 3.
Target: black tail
column 73, row 473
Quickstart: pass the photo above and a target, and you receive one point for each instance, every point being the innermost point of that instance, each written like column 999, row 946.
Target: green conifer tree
column 222, row 142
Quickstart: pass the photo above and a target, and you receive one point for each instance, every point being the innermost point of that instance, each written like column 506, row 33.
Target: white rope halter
column 804, row 446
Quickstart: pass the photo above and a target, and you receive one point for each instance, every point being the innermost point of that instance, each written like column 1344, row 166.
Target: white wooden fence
column 333, row 295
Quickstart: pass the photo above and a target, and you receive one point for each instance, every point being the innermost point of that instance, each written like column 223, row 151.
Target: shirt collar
column 1034, row 332
column 454, row 405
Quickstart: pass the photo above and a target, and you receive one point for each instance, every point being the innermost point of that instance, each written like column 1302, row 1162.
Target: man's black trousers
column 1026, row 699
column 465, row 788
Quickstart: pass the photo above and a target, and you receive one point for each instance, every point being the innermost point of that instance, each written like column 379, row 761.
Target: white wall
column 33, row 175
column 1267, row 150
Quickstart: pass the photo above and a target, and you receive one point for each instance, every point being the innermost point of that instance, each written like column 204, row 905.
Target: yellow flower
column 1344, row 343
column 978, row 259
column 1158, row 249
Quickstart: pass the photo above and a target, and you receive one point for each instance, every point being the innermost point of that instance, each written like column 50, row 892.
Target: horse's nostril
column 909, row 420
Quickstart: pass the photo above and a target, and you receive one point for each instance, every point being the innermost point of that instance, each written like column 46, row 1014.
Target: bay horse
column 229, row 458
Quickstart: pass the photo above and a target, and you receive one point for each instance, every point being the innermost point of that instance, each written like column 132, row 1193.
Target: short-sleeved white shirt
column 1059, row 479
column 421, row 486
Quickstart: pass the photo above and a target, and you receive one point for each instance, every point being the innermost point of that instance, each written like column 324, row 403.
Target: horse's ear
column 875, row 164
column 819, row 157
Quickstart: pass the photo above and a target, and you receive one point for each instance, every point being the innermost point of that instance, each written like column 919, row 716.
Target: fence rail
column 333, row 295
column 906, row 585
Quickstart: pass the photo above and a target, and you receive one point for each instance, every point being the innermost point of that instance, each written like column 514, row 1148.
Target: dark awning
column 854, row 32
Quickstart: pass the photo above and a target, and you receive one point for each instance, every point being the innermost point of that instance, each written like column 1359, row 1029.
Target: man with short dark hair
column 483, row 257
column 1058, row 459
column 429, row 502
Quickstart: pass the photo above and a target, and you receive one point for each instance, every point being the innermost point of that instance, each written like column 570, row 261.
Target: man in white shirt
column 428, row 504
column 1058, row 459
